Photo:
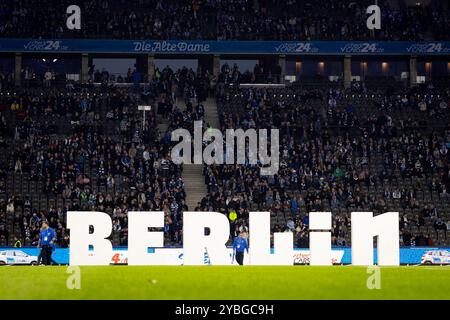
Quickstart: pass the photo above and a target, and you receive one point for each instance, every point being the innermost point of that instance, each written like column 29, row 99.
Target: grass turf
column 228, row 283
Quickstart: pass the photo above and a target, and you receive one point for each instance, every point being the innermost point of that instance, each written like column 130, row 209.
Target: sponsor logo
column 305, row 47
column 433, row 47
column 45, row 45
column 166, row 46
column 304, row 257
column 365, row 47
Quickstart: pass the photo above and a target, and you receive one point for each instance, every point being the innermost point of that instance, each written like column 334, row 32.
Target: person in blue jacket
column 47, row 239
column 240, row 244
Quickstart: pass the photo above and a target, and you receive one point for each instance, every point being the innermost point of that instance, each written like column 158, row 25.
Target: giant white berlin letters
column 208, row 232
column 364, row 228
column 320, row 241
column 141, row 238
column 260, row 242
column 195, row 241
column 79, row 223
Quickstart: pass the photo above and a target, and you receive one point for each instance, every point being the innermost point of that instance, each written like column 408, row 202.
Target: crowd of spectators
column 89, row 149
column 341, row 150
column 224, row 20
column 344, row 151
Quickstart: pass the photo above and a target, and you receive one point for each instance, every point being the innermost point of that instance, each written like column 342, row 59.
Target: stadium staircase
column 211, row 113
column 194, row 184
column 194, row 181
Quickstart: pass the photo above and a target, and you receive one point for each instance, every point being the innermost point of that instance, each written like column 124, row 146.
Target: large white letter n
column 385, row 228
column 81, row 239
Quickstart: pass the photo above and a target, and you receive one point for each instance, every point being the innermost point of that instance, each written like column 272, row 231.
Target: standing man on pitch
column 47, row 238
column 239, row 246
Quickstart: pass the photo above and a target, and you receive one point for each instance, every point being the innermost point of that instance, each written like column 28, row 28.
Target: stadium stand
column 379, row 149
column 225, row 20
column 89, row 150
column 342, row 150
column 373, row 142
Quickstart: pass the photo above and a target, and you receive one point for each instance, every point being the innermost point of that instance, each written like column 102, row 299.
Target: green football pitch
column 228, row 283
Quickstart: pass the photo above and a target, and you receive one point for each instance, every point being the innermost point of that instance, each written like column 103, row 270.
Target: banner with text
column 340, row 255
column 227, row 47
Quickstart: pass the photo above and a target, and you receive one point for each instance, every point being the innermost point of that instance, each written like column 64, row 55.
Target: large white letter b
column 79, row 223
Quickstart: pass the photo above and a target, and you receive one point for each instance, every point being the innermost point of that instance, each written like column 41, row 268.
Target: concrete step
column 211, row 114
column 194, row 184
